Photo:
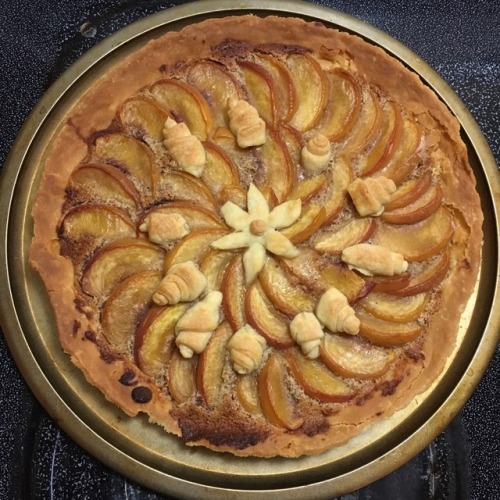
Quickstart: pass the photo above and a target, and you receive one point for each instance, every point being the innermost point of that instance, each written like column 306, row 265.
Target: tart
column 260, row 232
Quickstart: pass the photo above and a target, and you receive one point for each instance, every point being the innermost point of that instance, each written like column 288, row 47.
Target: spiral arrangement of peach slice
column 129, row 174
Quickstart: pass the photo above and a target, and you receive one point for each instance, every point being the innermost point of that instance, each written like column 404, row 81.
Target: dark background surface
column 40, row 39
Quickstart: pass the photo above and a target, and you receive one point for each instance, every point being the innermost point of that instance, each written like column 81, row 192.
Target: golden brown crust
column 118, row 377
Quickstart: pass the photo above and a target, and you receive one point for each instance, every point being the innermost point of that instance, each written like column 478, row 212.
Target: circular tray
column 144, row 452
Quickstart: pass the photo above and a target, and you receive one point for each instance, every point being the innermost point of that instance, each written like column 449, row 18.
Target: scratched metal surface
column 39, row 39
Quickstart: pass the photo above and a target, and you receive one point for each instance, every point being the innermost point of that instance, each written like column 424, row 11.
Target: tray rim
column 12, row 169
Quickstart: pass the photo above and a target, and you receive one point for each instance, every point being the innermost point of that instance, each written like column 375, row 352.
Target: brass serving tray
column 143, row 451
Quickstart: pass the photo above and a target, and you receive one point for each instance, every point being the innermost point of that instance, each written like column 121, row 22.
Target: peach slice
column 386, row 333
column 286, row 93
column 308, row 187
column 368, row 124
column 417, row 242
column 117, row 261
column 154, row 338
column 393, row 308
column 219, row 169
column 127, row 153
column 185, row 103
column 261, row 88
column 213, row 266
column 334, row 200
column 409, row 191
column 180, row 186
column 143, row 118
column 92, row 221
column 214, row 81
column 210, row 365
column 233, row 289
column 101, row 181
column 344, row 104
column 288, row 298
column 351, row 233
column 247, row 393
column 193, row 246
column 311, row 219
column 181, row 376
column 420, row 209
column 311, row 85
column 405, row 155
column 292, row 139
column 125, row 307
column 277, row 403
column 427, row 278
column 196, row 216
column 235, row 193
column 317, row 274
column 277, row 170
column 350, row 357
column 269, row 322
column 316, row 379
column 389, row 284
column 387, row 140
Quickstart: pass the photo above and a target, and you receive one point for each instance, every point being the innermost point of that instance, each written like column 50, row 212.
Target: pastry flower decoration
column 257, row 230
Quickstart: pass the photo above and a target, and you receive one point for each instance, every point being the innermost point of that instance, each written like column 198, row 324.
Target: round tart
column 261, row 232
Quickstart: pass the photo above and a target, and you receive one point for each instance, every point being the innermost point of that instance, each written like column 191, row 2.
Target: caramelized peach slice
column 125, row 307
column 181, row 376
column 308, row 187
column 366, row 127
column 193, row 246
column 409, row 192
column 393, row 308
column 386, row 333
column 317, row 274
column 277, row 403
column 389, row 284
column 316, row 379
column 260, row 86
column 293, row 142
column 154, row 338
column 214, row 81
column 405, row 155
column 219, row 170
column 127, row 153
column 334, row 199
column 353, row 232
column 210, row 365
column 420, row 209
column 262, row 315
column 288, row 298
column 427, row 278
column 101, row 181
column 196, row 216
column 311, row 219
column 344, row 104
column 417, row 242
column 185, row 103
column 387, row 140
column 247, row 393
column 277, row 170
column 143, row 118
column 94, row 221
column 351, row 357
column 180, row 186
column 213, row 266
column 311, row 86
column 117, row 261
column 286, row 93
column 233, row 289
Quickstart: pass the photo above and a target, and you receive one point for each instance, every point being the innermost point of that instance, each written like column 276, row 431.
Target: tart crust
column 118, row 377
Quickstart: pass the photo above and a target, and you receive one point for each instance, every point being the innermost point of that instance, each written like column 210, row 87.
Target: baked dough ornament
column 244, row 164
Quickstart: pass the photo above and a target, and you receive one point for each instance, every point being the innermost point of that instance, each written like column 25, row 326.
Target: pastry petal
column 232, row 241
column 286, row 214
column 257, row 204
column 235, row 216
column 280, row 245
column 253, row 261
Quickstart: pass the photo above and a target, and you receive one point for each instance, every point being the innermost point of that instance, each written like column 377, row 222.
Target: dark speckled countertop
column 39, row 39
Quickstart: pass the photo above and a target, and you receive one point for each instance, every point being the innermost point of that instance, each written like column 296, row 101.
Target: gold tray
column 143, row 451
